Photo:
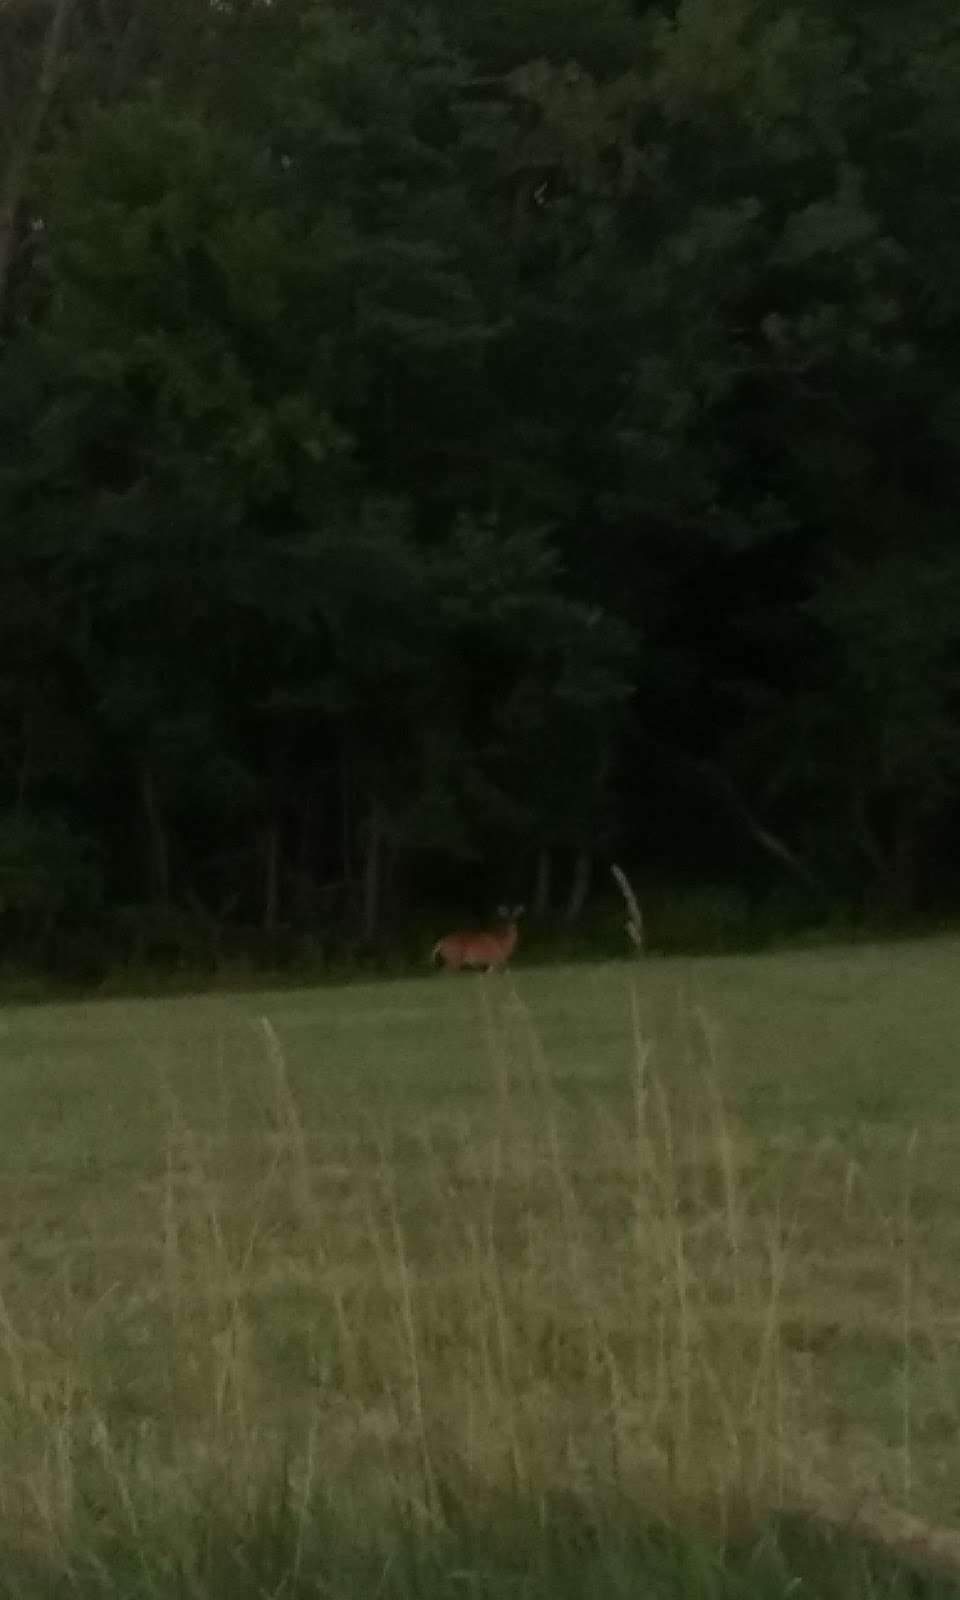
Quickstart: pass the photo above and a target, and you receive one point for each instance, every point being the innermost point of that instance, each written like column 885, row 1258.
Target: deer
column 478, row 948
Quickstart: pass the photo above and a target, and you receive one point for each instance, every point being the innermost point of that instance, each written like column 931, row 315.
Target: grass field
column 330, row 1283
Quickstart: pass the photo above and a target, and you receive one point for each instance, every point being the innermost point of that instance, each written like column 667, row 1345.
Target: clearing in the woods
column 675, row 1239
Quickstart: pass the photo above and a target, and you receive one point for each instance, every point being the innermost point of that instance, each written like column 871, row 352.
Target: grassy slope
column 425, row 1239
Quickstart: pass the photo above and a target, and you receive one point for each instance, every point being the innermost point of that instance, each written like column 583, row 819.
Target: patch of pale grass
column 620, row 1298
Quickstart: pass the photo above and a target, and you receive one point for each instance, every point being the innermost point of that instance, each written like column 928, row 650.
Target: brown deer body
column 488, row 949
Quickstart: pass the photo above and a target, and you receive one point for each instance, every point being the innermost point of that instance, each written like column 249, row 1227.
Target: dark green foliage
column 439, row 448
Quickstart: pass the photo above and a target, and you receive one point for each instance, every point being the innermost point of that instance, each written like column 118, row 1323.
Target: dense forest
column 446, row 446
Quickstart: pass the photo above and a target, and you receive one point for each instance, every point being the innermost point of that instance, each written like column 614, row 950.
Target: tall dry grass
column 536, row 1297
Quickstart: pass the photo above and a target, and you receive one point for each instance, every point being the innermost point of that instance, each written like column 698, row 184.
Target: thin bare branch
column 763, row 835
column 910, row 1537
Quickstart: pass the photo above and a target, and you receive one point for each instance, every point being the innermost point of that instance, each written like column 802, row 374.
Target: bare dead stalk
column 634, row 922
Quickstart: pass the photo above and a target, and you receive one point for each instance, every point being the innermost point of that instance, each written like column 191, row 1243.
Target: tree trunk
column 372, row 875
column 901, row 867
column 865, row 834
column 541, row 890
column 25, row 763
column 272, row 846
column 157, row 843
column 304, row 887
column 579, row 887
column 346, row 821
column 25, row 138
column 396, row 881
column 125, row 47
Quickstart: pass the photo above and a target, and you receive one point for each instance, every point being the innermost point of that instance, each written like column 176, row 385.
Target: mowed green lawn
column 685, row 1233
column 816, row 1039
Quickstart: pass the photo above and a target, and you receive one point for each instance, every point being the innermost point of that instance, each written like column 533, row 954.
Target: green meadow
column 578, row 1280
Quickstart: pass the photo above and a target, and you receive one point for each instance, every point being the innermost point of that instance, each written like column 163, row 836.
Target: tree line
column 442, row 445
